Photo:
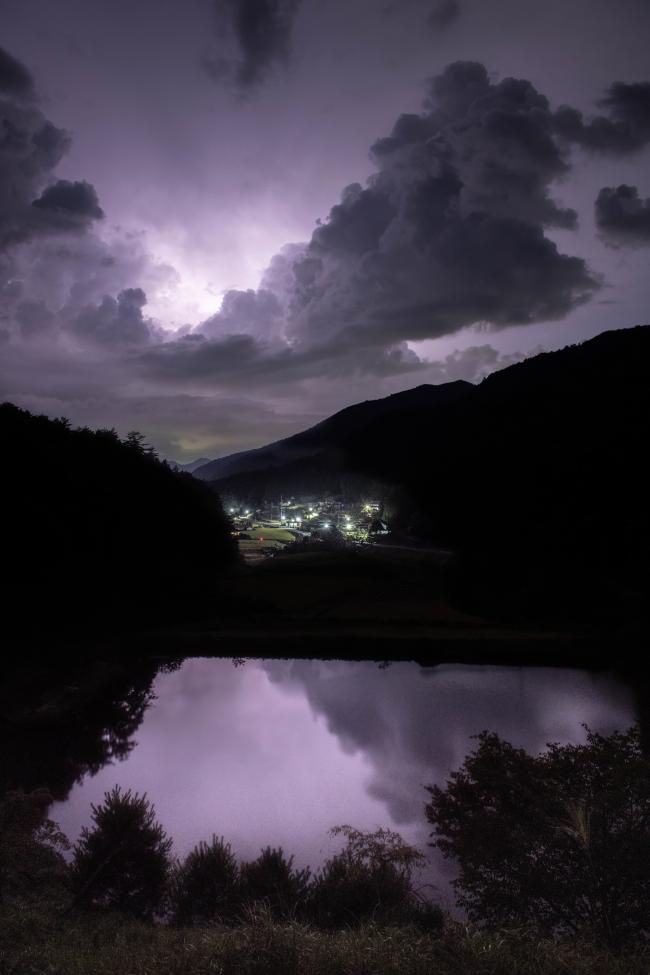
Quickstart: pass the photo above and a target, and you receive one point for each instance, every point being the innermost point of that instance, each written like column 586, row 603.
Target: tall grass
column 112, row 945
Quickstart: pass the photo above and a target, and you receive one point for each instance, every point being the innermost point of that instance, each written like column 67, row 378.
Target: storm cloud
column 450, row 230
column 624, row 129
column 70, row 200
column 59, row 280
column 30, row 149
column 260, row 31
column 15, row 79
column 622, row 215
column 463, row 227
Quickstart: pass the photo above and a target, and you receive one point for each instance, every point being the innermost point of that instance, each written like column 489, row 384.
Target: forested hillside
column 537, row 478
column 100, row 529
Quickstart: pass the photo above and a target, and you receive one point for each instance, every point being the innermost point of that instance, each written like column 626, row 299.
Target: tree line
column 124, row 862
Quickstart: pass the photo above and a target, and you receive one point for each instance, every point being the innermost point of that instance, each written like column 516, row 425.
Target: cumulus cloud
column 30, row 149
column 248, row 312
column 115, row 321
column 15, row 79
column 622, row 216
column 625, row 128
column 65, row 200
column 260, row 32
column 450, row 231
column 58, row 278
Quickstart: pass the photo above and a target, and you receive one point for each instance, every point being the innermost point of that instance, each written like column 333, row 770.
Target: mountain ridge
column 309, row 442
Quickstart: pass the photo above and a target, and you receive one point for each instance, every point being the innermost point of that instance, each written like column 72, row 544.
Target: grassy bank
column 110, row 945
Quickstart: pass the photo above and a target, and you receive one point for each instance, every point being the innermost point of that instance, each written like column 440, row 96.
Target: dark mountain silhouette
column 328, row 437
column 99, row 529
column 536, row 476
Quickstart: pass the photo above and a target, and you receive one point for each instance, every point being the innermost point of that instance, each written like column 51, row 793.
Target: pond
column 275, row 752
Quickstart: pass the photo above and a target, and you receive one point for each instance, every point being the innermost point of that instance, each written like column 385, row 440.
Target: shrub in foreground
column 272, row 881
column 370, row 879
column 123, row 863
column 560, row 840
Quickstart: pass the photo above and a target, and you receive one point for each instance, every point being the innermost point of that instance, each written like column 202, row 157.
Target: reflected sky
column 277, row 752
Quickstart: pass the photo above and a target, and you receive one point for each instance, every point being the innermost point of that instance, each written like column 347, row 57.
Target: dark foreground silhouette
column 100, row 530
column 553, row 854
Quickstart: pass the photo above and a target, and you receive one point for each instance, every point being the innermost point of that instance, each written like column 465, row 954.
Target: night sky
column 222, row 220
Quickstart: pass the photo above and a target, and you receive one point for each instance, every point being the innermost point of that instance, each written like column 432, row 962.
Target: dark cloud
column 250, row 312
column 34, row 319
column 115, row 321
column 241, row 359
column 626, row 127
column 450, row 231
column 15, row 79
column 443, row 14
column 261, row 32
column 622, row 216
column 65, row 200
column 31, row 147
column 57, row 277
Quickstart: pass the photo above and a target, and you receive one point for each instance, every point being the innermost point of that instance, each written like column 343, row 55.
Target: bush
column 371, row 879
column 123, row 863
column 271, row 880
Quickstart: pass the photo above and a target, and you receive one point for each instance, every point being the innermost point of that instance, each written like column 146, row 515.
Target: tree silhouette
column 123, row 863
column 137, row 442
column 205, row 886
column 31, row 849
column 560, row 840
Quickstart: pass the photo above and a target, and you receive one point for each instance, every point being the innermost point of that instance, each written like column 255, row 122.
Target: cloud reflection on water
column 276, row 752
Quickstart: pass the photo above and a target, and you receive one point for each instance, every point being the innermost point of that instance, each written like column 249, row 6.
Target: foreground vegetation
column 553, row 871
column 113, row 945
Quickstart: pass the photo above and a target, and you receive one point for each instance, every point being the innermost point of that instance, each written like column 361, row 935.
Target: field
column 262, row 541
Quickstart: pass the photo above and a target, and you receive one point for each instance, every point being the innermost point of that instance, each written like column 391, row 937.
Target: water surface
column 277, row 752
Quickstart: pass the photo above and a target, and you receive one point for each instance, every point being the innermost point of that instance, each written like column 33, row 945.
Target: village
column 263, row 531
